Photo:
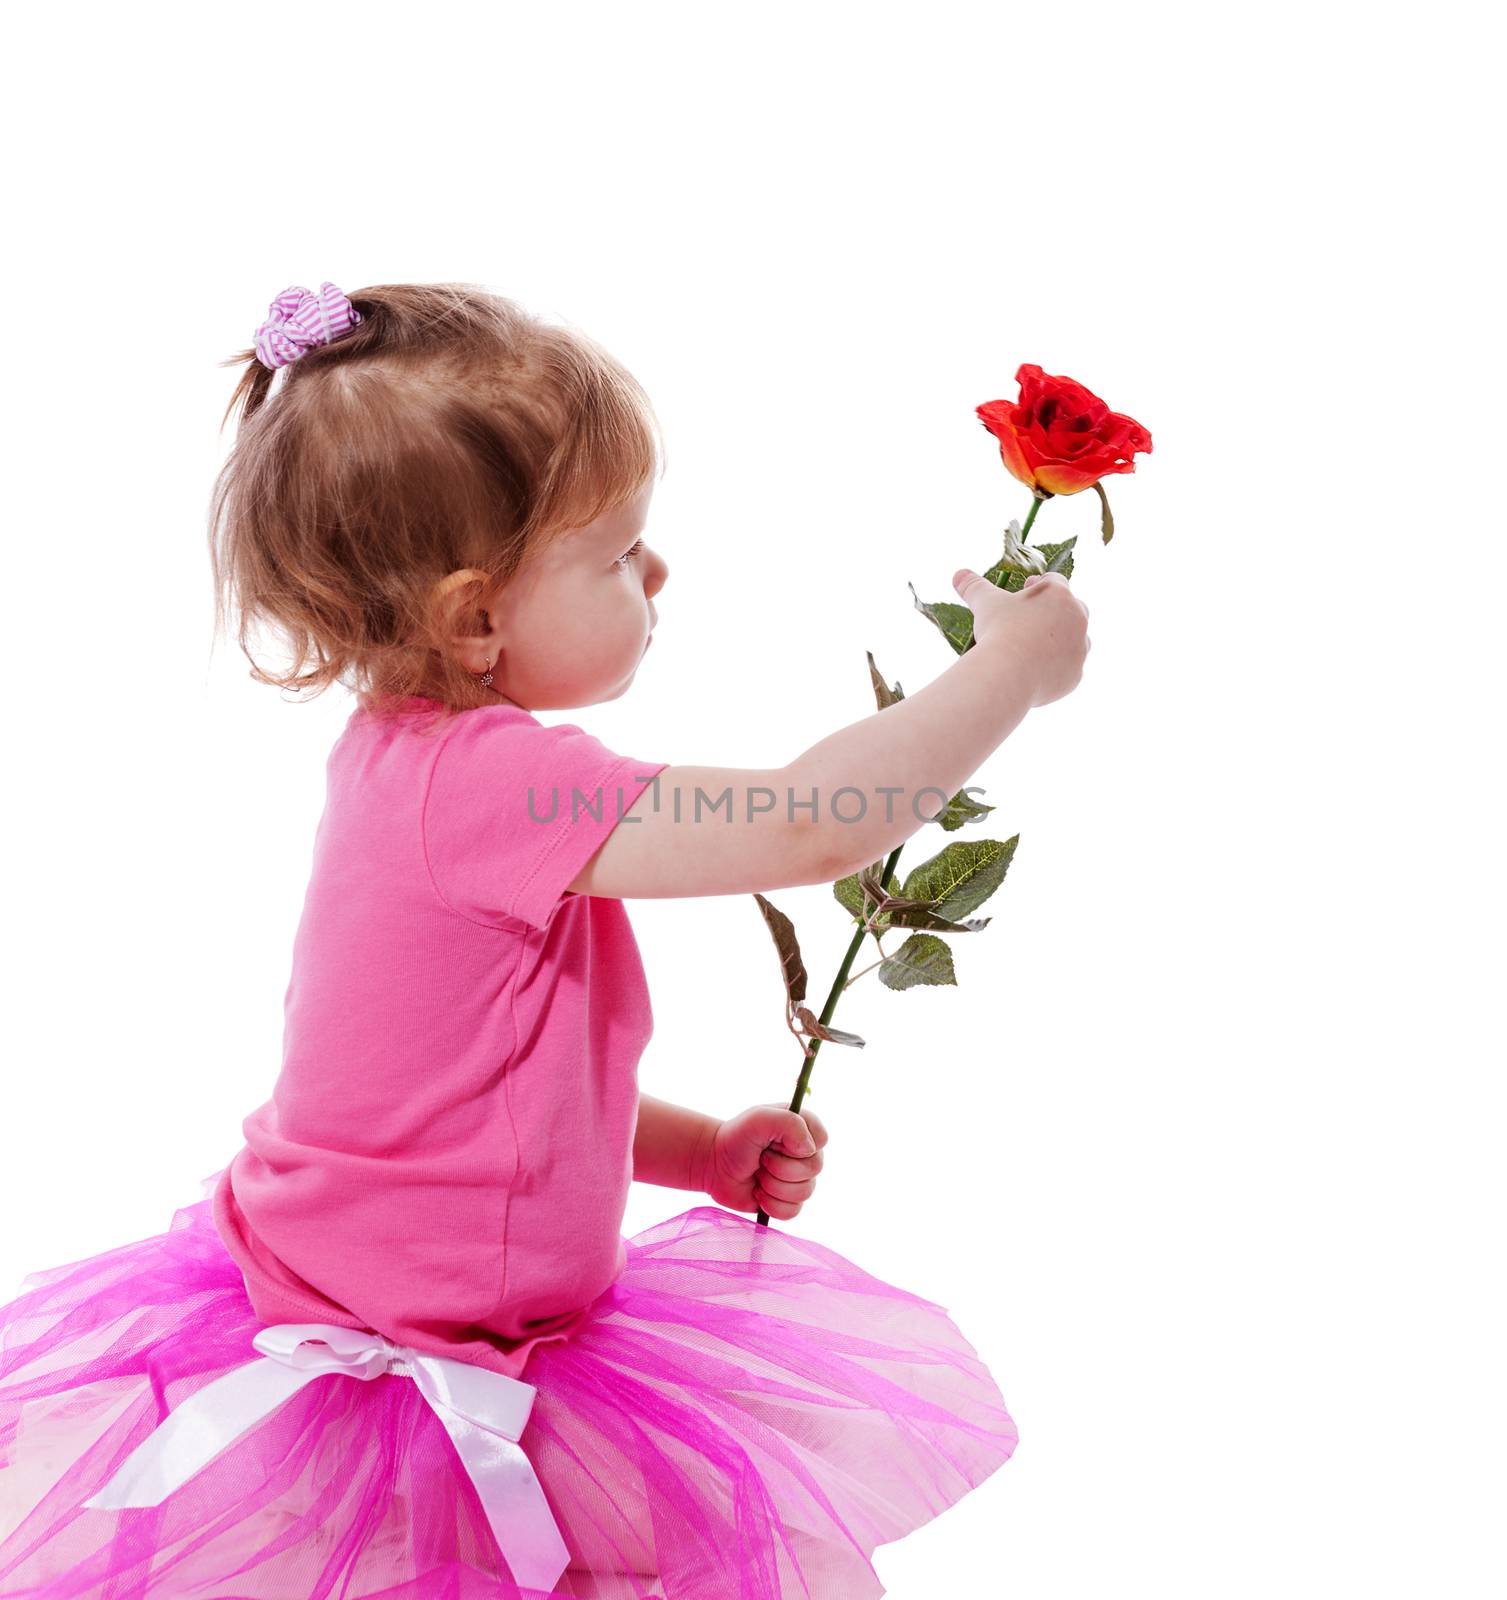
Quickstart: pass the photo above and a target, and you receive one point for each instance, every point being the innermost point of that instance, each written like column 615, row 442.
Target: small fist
column 1042, row 628
column 765, row 1159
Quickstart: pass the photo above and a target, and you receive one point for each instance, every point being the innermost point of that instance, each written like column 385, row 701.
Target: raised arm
column 773, row 828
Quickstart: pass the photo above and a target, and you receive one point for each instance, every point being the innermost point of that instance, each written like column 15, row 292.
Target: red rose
column 1059, row 436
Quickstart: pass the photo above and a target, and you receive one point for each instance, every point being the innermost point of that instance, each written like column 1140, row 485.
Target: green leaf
column 1060, row 556
column 849, row 893
column 954, row 621
column 782, row 931
column 1006, row 577
column 1055, row 557
column 962, row 876
column 922, row 959
column 882, row 691
column 960, row 809
column 891, row 899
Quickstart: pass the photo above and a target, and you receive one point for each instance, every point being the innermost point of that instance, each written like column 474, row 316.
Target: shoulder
column 508, row 734
column 502, row 764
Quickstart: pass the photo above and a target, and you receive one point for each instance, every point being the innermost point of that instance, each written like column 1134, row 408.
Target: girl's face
column 573, row 623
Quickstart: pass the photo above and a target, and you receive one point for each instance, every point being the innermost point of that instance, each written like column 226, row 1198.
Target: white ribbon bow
column 484, row 1413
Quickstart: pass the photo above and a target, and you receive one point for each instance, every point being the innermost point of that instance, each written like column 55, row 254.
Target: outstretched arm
column 820, row 817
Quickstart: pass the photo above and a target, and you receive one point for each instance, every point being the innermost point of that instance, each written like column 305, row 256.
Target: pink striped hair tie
column 297, row 321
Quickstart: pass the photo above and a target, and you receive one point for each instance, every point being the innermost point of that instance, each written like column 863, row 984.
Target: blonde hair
column 450, row 431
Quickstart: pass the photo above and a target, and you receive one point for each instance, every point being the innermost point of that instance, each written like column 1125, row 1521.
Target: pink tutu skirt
column 743, row 1415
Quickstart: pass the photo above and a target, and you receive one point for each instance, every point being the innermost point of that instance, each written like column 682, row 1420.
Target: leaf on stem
column 887, row 900
column 922, row 959
column 1060, row 556
column 866, row 885
column 960, row 877
column 782, row 931
column 908, row 911
column 960, row 809
column 882, row 691
column 850, row 896
column 1054, row 558
column 1020, row 557
column 824, row 1030
column 954, row 621
column 1107, row 521
column 920, row 918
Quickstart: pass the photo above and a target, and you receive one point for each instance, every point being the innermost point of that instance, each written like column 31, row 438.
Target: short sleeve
column 515, row 809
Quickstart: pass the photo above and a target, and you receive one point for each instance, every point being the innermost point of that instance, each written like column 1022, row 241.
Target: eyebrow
column 617, row 540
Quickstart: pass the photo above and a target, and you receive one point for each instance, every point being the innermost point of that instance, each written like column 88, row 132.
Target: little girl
column 398, row 1347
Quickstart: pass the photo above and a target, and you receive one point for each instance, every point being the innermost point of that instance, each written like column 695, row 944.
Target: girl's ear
column 460, row 615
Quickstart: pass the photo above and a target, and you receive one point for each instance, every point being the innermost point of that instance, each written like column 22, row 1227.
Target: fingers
column 801, row 1188
column 804, row 1130
column 790, row 1168
column 782, row 1210
column 965, row 577
column 781, row 1199
column 1039, row 580
column 817, row 1126
column 785, row 1182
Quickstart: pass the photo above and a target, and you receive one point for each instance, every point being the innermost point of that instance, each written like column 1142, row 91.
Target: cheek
column 579, row 631
column 623, row 616
column 591, row 634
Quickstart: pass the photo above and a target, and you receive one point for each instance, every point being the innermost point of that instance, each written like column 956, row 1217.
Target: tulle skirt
column 743, row 1415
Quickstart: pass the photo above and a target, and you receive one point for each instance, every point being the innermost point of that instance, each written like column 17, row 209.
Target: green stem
column 838, row 983
column 1036, row 506
column 813, row 1045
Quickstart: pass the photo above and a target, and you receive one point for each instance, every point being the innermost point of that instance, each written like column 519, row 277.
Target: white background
column 1204, row 1152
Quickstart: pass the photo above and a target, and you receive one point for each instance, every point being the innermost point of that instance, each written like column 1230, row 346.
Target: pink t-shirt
column 448, row 1147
